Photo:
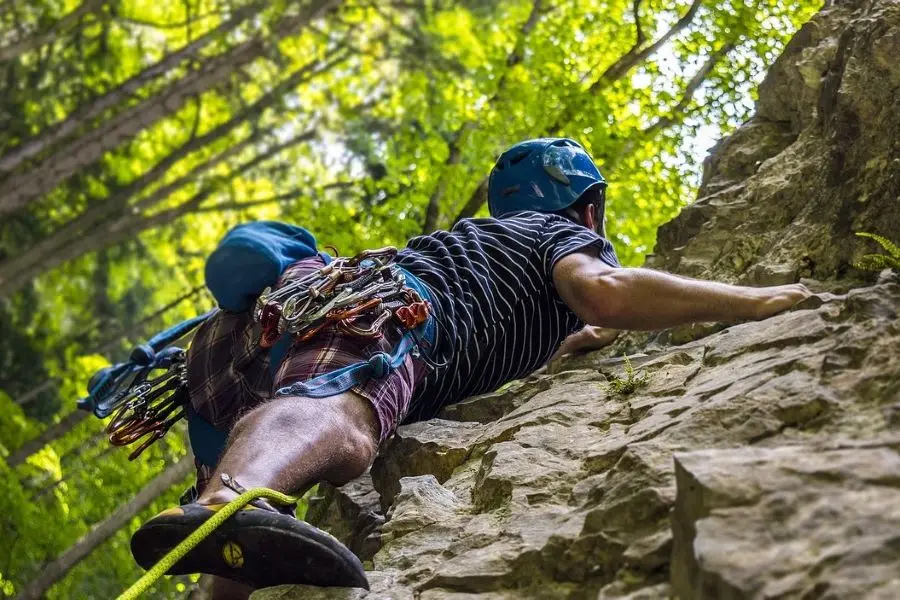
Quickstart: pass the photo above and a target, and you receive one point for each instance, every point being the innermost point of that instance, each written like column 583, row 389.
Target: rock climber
column 505, row 291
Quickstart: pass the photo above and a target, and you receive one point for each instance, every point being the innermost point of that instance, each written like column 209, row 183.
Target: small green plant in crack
column 630, row 382
column 877, row 262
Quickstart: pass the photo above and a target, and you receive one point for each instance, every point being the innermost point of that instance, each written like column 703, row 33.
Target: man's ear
column 589, row 216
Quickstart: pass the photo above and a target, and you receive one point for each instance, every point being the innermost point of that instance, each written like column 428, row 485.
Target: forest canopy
column 133, row 134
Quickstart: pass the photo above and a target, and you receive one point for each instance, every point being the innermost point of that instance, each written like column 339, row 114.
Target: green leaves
column 876, row 262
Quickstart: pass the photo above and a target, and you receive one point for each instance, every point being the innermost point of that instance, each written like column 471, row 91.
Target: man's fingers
column 780, row 298
column 610, row 335
column 603, row 336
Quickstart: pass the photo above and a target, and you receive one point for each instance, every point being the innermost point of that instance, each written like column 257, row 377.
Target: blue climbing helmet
column 544, row 175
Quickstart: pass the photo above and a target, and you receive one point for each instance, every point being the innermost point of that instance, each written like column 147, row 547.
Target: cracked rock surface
column 760, row 460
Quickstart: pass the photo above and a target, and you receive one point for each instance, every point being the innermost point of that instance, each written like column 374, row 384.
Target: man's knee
column 359, row 432
column 346, row 422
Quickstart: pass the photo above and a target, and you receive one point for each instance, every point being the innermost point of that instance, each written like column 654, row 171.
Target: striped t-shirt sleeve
column 562, row 237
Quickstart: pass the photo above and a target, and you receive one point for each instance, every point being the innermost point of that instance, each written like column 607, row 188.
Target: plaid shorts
column 229, row 374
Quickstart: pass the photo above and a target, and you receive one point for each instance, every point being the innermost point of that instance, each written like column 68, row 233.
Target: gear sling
column 241, row 273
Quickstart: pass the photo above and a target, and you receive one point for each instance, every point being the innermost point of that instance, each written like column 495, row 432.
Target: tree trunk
column 21, row 189
column 105, row 529
column 59, row 28
column 59, row 246
column 84, row 114
column 476, row 201
column 130, row 225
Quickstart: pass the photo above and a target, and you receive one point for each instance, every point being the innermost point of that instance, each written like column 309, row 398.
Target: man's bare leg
column 291, row 443
column 288, row 445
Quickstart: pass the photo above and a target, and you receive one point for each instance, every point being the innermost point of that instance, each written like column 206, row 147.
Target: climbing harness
column 345, row 294
column 201, row 533
column 364, row 296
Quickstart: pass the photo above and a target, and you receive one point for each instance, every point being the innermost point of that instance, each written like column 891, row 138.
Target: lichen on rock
column 762, row 460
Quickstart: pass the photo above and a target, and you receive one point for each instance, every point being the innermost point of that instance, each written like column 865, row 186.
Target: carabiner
column 388, row 252
column 413, row 315
column 373, row 331
column 271, row 318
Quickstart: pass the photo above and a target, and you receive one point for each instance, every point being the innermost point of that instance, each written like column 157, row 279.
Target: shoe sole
column 256, row 547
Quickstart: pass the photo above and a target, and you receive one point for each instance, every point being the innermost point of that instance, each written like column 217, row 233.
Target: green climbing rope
column 187, row 544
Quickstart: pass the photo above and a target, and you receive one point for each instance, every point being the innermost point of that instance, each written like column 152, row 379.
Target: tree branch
column 432, row 210
column 156, row 25
column 123, row 334
column 640, row 38
column 228, row 206
column 65, row 425
column 614, row 72
column 81, row 116
column 132, row 224
column 167, row 190
column 40, row 257
column 475, row 202
column 277, row 199
column 19, row 190
column 68, row 474
column 103, row 530
column 637, row 54
column 677, row 112
column 37, row 40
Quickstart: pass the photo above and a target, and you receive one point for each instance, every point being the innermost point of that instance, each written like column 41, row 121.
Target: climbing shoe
column 257, row 546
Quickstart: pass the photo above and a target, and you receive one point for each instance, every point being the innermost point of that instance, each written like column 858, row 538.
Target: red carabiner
column 413, row 315
column 269, row 319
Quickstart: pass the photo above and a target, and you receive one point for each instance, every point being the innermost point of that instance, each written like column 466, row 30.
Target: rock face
column 761, row 460
column 820, row 160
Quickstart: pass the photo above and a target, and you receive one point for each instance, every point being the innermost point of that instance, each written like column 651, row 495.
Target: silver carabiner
column 324, row 310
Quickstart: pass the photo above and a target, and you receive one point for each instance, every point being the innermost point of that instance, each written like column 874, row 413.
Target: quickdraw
column 149, row 406
column 342, row 294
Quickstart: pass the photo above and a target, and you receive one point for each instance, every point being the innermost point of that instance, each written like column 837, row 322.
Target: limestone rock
column 434, row 447
column 761, row 459
column 818, row 161
column 570, row 494
column 794, row 521
column 351, row 513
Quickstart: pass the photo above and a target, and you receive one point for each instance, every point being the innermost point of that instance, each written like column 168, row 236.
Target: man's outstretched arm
column 644, row 299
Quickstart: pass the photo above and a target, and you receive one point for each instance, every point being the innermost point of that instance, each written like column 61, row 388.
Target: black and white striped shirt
column 498, row 314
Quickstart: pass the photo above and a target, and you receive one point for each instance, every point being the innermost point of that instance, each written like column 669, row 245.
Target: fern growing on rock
column 877, row 262
column 630, row 382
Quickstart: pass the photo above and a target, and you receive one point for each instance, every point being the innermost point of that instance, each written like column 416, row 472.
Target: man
column 506, row 292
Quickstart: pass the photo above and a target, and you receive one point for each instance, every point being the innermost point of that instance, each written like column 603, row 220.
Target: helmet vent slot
column 517, row 159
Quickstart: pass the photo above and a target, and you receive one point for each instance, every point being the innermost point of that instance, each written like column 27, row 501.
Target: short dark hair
column 595, row 196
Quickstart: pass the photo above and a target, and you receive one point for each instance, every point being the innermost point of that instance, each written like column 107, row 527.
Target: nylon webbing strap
column 341, row 380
